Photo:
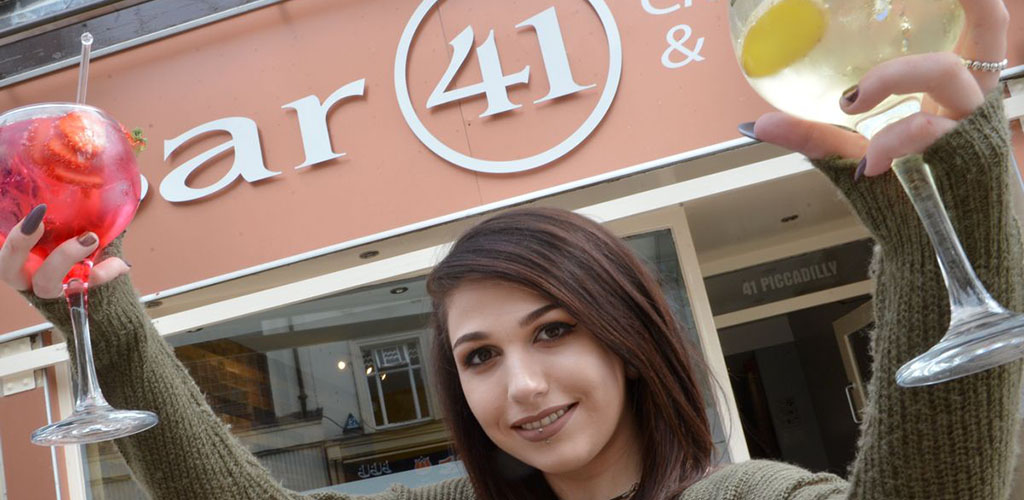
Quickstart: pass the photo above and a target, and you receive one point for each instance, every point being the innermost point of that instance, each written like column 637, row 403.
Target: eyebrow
column 529, row 318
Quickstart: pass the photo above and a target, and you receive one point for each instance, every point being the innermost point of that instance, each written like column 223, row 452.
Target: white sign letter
column 556, row 58
column 658, row 12
column 494, row 85
column 245, row 141
column 316, row 139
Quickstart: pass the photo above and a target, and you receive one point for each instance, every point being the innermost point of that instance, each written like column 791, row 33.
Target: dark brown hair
column 595, row 277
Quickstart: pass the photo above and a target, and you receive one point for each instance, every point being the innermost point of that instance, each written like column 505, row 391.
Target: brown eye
column 479, row 357
column 554, row 331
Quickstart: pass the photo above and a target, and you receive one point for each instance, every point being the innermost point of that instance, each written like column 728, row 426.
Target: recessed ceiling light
column 342, row 365
column 399, row 290
column 369, row 254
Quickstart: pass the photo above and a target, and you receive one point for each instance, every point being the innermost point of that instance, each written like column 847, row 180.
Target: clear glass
column 79, row 162
column 854, row 36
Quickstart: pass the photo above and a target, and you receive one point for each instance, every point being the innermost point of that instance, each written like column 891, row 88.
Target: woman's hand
column 952, row 92
column 24, row 271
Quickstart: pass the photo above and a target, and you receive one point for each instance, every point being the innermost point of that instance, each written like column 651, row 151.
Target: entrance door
column 791, row 389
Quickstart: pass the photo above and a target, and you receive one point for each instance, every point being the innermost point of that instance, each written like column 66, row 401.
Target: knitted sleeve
column 190, row 454
column 953, row 440
column 949, row 441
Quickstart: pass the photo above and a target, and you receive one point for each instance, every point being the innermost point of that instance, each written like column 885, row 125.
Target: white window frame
column 356, row 348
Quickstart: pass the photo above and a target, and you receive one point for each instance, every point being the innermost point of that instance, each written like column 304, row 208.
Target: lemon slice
column 785, row 33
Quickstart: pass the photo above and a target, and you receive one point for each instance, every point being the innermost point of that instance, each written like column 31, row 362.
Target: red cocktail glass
column 81, row 164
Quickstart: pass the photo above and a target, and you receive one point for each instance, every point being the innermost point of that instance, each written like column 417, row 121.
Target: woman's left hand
column 951, row 93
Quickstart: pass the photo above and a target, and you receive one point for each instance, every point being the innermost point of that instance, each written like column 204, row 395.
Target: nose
column 527, row 381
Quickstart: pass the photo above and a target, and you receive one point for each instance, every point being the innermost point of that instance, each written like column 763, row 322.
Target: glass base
column 985, row 341
column 99, row 423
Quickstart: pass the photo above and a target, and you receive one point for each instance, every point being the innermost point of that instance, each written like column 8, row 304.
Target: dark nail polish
column 860, row 169
column 87, row 240
column 747, row 129
column 850, row 95
column 32, row 220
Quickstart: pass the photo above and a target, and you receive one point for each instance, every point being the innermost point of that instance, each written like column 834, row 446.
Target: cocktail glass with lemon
column 801, row 55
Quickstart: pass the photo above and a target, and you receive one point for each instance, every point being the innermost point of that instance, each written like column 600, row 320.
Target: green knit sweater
column 950, row 441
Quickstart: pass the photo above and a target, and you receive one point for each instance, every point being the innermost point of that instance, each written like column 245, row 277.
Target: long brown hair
column 595, row 277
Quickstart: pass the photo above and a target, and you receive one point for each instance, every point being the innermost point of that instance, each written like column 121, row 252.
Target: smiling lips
column 548, row 420
column 539, row 429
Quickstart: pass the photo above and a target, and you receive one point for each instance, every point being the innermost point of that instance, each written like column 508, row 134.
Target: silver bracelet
column 992, row 67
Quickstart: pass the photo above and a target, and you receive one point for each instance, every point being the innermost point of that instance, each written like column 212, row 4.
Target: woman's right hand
column 24, row 271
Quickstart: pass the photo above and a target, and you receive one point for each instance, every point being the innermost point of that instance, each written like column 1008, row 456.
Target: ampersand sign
column 677, row 45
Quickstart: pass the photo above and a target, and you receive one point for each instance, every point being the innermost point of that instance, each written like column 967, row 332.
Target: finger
column 910, row 135
column 107, row 270
column 47, row 282
column 941, row 75
column 984, row 38
column 18, row 245
column 814, row 140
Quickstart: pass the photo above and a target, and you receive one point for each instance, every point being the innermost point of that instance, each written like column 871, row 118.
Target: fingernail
column 87, row 240
column 32, row 220
column 850, row 95
column 860, row 169
column 747, row 129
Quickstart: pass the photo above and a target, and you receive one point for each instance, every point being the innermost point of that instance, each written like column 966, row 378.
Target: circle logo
column 519, row 164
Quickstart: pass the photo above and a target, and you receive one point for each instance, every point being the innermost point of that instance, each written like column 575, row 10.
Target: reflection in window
column 243, row 398
column 394, row 379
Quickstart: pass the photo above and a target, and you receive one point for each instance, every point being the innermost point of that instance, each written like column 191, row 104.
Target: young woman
column 562, row 371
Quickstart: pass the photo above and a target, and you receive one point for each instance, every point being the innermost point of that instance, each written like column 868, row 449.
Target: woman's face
column 542, row 387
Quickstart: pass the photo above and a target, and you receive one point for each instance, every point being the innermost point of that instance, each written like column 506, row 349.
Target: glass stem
column 88, row 394
column 967, row 296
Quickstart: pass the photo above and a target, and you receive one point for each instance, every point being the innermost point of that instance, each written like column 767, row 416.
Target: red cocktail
column 81, row 164
column 75, row 159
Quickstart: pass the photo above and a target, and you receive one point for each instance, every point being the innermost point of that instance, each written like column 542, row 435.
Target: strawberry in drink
column 77, row 161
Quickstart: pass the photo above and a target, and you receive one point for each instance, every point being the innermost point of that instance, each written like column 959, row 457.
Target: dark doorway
column 791, row 388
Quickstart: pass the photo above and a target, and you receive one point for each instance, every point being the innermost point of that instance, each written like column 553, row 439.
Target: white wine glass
column 800, row 56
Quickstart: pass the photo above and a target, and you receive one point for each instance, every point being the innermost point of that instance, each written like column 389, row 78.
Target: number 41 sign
column 494, row 84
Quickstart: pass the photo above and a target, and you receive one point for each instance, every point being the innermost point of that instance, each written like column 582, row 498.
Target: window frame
column 356, row 348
